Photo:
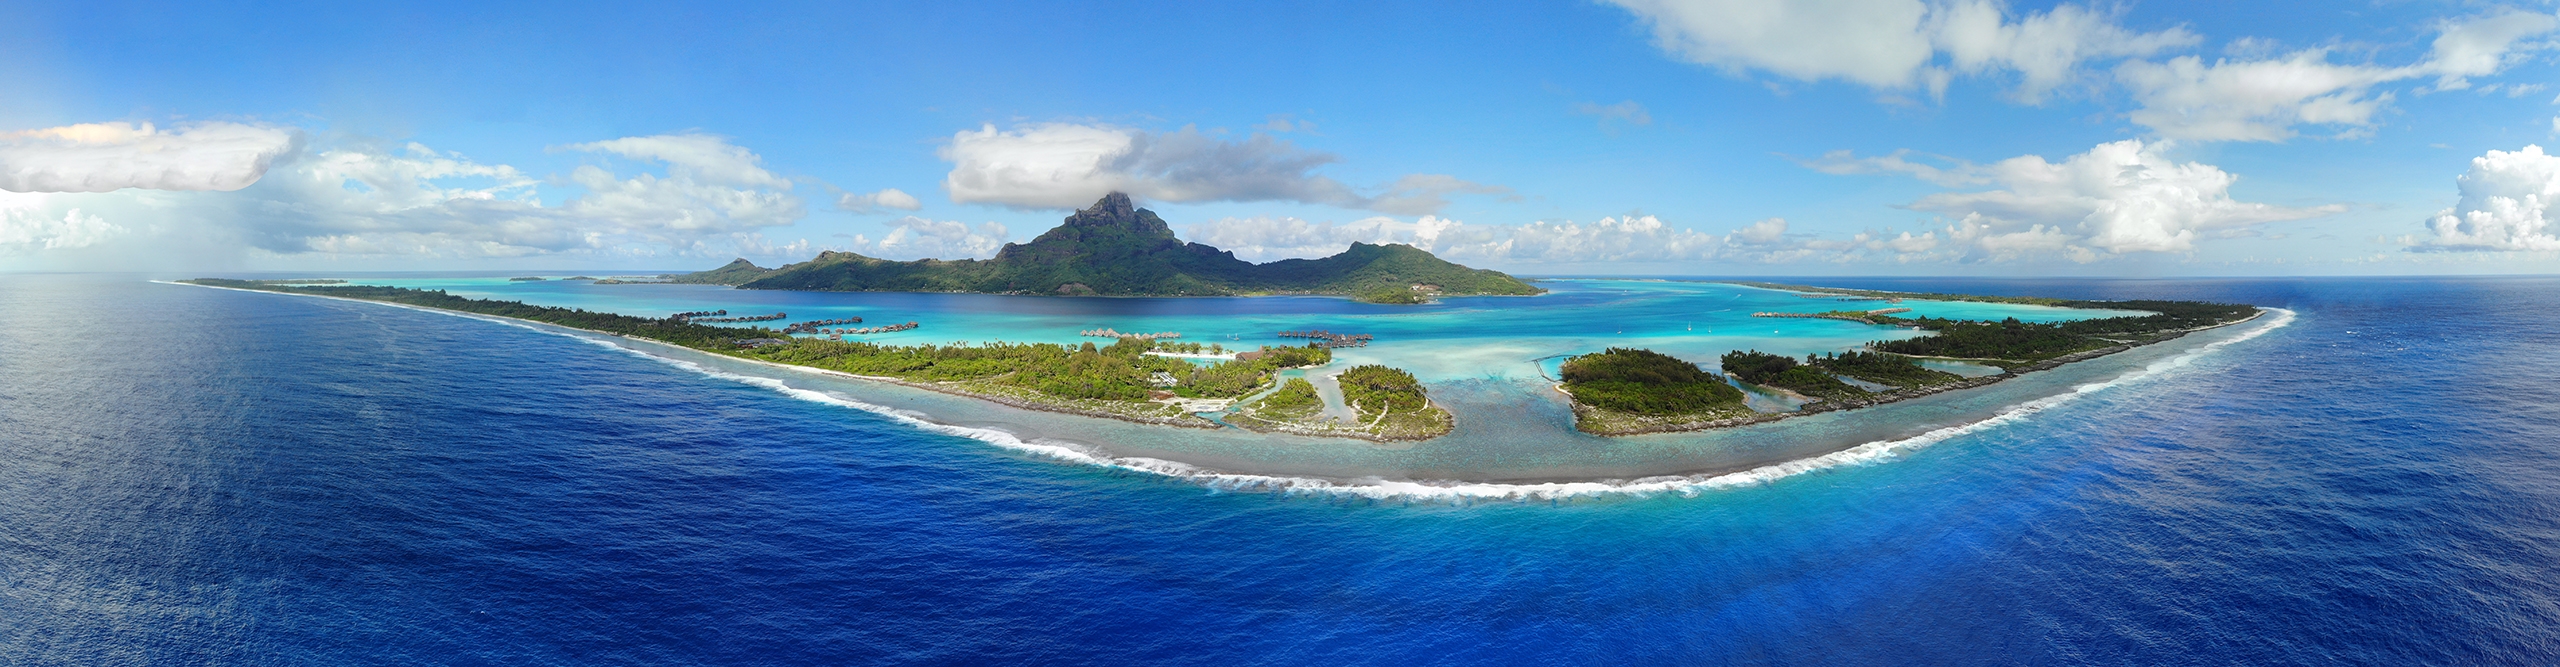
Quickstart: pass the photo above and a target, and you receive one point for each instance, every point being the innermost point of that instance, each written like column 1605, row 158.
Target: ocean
column 196, row 476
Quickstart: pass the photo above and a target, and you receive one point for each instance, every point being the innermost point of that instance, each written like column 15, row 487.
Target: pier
column 1108, row 332
column 839, row 334
column 741, row 318
column 812, row 325
column 1330, row 339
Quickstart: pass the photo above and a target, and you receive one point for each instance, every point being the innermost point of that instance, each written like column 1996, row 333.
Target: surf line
column 1377, row 487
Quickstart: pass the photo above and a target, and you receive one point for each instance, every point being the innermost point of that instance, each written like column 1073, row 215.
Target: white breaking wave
column 1379, row 488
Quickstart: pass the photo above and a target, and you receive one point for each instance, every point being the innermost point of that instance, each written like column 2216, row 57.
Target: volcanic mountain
column 1116, row 249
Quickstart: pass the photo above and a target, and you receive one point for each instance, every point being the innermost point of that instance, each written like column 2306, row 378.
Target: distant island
column 1623, row 391
column 1138, row 377
column 1115, row 249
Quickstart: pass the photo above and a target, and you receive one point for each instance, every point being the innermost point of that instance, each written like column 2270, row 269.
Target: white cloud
column 698, row 158
column 2259, row 100
column 1066, row 165
column 104, row 157
column 2264, row 99
column 2119, row 197
column 28, row 225
column 916, row 238
column 2506, row 204
column 365, row 199
column 2045, row 49
column 1764, row 232
column 871, row 202
column 1901, row 45
column 1894, row 44
column 2482, row 45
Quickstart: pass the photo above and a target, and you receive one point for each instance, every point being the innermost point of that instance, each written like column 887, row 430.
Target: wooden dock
column 1107, row 332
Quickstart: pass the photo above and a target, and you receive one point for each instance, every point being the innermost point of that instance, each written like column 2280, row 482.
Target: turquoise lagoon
column 1488, row 359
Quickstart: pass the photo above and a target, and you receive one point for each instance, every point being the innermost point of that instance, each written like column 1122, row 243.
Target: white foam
column 1379, row 488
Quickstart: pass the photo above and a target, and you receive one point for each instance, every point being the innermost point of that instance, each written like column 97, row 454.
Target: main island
column 1110, row 316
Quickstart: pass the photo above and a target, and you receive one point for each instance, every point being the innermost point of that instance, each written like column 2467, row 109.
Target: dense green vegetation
column 679, row 332
column 1116, row 249
column 1294, row 400
column 1388, row 401
column 2005, row 339
column 1645, row 382
column 1390, row 294
column 1121, row 371
column 2013, row 340
column 1373, row 388
column 1772, row 370
column 736, row 272
column 1886, row 369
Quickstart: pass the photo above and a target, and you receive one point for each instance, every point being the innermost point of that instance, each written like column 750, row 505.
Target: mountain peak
column 1113, row 206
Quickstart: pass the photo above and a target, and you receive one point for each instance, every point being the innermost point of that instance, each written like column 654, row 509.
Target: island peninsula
column 1115, row 249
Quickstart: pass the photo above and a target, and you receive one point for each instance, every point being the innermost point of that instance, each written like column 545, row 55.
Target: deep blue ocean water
column 192, row 476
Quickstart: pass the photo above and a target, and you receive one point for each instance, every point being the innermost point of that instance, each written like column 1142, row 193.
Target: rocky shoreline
column 1675, row 423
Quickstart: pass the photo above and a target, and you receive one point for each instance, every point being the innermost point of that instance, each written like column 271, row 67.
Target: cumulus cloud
column 2045, row 49
column 2264, row 99
column 1764, row 232
column 1067, row 165
column 2506, row 205
column 871, row 202
column 1895, row 44
column 28, row 225
column 362, row 198
column 104, row 157
column 2119, row 197
column 916, row 238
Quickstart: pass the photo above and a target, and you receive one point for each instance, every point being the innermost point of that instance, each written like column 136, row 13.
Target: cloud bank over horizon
column 106, row 157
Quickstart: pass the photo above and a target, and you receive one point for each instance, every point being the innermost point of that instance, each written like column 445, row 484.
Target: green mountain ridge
column 736, row 272
column 1116, row 249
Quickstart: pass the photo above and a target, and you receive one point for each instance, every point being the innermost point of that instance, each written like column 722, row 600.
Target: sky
column 1638, row 137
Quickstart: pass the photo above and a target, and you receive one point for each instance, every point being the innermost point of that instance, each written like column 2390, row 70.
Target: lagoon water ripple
column 192, row 476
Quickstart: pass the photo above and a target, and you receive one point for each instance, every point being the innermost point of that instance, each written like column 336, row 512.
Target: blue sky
column 1645, row 136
